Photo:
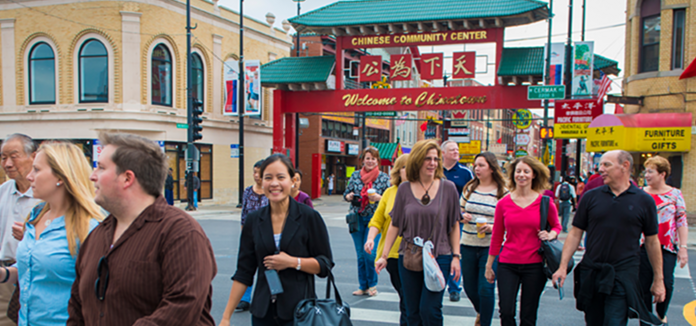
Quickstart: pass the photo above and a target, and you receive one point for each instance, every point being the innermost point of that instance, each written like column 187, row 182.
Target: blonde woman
column 380, row 224
column 45, row 266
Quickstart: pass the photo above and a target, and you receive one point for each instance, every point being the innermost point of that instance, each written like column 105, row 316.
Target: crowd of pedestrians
column 83, row 246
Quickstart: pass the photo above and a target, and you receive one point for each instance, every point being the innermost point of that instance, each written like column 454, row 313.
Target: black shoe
column 455, row 296
column 242, row 306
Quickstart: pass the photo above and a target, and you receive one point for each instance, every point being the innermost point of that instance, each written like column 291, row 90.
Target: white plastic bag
column 434, row 279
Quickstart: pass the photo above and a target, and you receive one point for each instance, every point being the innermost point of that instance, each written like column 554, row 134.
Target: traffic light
column 197, row 119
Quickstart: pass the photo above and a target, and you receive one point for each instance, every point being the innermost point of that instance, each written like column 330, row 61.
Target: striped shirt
column 480, row 204
column 159, row 272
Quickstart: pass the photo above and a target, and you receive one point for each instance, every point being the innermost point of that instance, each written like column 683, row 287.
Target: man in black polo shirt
column 614, row 216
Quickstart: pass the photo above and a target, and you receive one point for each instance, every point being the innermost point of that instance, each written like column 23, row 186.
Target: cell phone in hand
column 274, row 282
column 561, row 294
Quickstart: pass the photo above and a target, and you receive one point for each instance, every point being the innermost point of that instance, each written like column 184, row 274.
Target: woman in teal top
column 46, row 254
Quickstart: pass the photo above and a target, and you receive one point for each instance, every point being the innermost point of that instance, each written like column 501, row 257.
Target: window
column 679, row 18
column 42, row 75
column 161, row 76
column 650, row 36
column 197, row 77
column 94, row 72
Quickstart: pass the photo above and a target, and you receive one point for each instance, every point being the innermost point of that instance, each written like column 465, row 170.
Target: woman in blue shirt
column 45, row 267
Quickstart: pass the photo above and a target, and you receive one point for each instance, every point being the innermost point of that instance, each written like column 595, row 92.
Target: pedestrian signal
column 546, row 133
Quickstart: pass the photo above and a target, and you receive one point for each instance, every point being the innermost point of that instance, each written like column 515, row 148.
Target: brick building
column 71, row 69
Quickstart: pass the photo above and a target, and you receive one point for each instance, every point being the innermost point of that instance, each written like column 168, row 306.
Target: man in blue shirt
column 460, row 175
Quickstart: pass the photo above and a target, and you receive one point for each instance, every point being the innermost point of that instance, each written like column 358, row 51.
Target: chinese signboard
column 635, row 132
column 411, row 39
column 471, row 148
column 431, row 66
column 463, row 65
column 370, row 68
column 572, row 117
column 400, row 67
column 582, row 69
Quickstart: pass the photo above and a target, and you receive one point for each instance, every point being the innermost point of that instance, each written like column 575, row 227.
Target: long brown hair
column 541, row 173
column 496, row 173
column 417, row 159
column 69, row 164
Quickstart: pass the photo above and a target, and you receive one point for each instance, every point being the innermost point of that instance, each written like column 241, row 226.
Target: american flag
column 604, row 86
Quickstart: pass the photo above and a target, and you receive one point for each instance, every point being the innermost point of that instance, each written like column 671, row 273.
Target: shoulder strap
column 439, row 208
column 544, row 212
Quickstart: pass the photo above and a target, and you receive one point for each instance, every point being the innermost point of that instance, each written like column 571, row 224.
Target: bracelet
column 299, row 264
column 684, row 246
column 7, row 275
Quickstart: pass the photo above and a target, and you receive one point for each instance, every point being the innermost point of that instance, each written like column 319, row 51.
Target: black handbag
column 353, row 220
column 551, row 250
column 323, row 312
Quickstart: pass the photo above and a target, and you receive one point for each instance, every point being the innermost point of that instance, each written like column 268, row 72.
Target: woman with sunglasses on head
column 283, row 238
column 479, row 199
column 45, row 267
column 379, row 224
column 427, row 206
column 518, row 221
column 367, row 178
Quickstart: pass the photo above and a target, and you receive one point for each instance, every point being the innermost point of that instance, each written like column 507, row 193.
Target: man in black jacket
column 614, row 215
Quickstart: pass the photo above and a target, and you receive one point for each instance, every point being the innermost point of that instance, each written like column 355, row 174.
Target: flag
column 604, row 86
column 690, row 71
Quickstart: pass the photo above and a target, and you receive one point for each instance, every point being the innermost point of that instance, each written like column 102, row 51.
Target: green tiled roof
column 386, row 150
column 297, row 70
column 529, row 61
column 366, row 12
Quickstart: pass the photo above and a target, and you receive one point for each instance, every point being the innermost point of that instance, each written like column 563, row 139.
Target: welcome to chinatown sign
column 416, row 39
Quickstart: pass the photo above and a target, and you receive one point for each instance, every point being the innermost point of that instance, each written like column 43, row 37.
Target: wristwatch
column 299, row 264
column 458, row 256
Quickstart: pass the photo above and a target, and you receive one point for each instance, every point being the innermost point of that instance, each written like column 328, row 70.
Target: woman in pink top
column 517, row 220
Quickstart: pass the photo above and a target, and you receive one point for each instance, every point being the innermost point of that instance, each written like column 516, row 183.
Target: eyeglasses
column 431, row 159
column 102, row 283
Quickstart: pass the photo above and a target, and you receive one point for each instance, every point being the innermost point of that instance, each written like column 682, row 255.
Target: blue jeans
column 610, row 310
column 452, row 284
column 330, row 191
column 478, row 290
column 424, row 308
column 195, row 198
column 367, row 276
column 169, row 196
column 565, row 214
column 247, row 295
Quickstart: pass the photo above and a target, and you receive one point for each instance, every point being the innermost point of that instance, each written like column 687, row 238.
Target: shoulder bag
column 413, row 251
column 550, row 250
column 322, row 312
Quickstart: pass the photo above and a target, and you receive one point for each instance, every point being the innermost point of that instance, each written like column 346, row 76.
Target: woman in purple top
column 299, row 195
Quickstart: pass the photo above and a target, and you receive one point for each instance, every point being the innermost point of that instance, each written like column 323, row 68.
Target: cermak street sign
column 546, row 92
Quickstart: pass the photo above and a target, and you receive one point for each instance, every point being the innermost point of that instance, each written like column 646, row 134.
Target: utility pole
column 192, row 154
column 297, row 115
column 241, row 91
column 547, row 80
column 578, row 149
column 568, row 79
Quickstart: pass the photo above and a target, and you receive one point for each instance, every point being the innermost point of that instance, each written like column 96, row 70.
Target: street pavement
column 221, row 223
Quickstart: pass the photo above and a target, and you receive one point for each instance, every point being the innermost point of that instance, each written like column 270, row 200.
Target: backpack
column 564, row 193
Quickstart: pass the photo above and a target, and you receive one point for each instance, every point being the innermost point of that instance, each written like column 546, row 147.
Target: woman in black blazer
column 285, row 236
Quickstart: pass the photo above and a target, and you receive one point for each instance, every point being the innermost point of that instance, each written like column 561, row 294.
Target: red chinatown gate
column 449, row 22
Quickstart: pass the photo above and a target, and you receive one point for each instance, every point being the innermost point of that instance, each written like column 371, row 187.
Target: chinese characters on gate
column 430, row 66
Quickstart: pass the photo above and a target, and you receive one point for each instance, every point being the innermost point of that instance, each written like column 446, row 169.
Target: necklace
column 425, row 200
column 48, row 222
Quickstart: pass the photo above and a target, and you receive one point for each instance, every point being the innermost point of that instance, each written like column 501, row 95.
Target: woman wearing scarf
column 369, row 177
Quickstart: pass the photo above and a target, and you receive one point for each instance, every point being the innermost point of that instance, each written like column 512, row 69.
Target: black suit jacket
column 304, row 235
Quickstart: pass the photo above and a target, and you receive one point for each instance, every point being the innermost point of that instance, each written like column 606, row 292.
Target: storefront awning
column 388, row 152
column 648, row 132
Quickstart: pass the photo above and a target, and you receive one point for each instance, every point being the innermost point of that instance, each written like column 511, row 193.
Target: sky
column 604, row 24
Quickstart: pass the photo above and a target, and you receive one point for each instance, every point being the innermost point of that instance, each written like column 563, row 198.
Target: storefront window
column 678, row 39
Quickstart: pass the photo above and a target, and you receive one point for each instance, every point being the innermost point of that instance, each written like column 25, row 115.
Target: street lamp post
column 297, row 115
column 241, row 89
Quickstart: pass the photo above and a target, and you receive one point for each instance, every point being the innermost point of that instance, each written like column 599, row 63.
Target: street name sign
column 550, row 92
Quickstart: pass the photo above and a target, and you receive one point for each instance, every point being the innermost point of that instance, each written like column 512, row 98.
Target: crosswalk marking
column 392, row 317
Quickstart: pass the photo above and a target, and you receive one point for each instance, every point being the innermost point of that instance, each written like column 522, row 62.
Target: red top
column 519, row 227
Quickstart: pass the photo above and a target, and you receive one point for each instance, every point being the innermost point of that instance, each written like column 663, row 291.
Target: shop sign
column 416, row 39
column 334, row 146
column 466, row 158
column 460, row 139
column 522, row 139
column 431, row 66
column 401, row 67
column 458, row 131
column 353, row 149
column 463, row 65
column 522, row 119
column 459, row 114
column 611, row 132
column 573, row 117
column 471, row 148
column 370, row 68
column 521, row 153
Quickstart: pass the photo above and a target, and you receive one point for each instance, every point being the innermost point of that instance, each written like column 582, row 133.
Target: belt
column 7, row 263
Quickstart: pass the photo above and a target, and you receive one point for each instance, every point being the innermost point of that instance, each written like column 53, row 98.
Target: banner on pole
column 252, row 89
column 231, row 76
column 557, row 59
column 583, row 54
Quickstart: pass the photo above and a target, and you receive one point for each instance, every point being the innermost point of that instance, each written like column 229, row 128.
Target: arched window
column 94, row 72
column 42, row 74
column 197, row 77
column 161, row 76
column 650, row 35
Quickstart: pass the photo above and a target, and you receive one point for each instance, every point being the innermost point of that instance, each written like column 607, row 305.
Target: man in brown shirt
column 148, row 263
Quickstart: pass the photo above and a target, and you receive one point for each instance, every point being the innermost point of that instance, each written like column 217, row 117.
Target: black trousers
column 532, row 279
column 393, row 269
column 669, row 261
column 271, row 318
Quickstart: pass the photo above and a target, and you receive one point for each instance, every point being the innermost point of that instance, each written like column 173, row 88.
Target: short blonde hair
column 417, row 158
column 541, row 173
column 396, row 170
column 661, row 165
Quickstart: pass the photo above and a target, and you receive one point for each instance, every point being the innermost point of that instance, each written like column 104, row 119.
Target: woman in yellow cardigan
column 380, row 224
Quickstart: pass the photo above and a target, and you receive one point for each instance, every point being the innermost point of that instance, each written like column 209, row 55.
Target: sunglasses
column 102, row 283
